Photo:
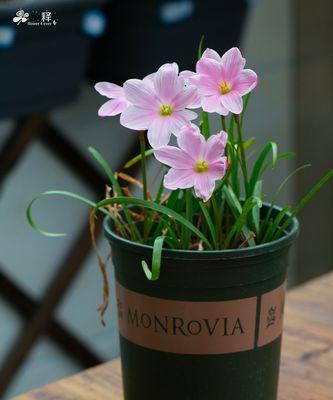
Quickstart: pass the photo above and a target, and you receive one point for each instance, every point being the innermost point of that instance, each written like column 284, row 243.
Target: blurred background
column 49, row 62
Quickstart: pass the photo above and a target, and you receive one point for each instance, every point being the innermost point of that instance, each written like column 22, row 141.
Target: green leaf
column 138, row 158
column 209, row 223
column 257, row 169
column 236, row 209
column 284, row 182
column 200, row 47
column 240, row 222
column 156, row 207
column 105, row 166
column 171, row 203
column 249, row 142
column 274, row 225
column 280, row 156
column 154, row 273
column 255, row 212
column 303, row 202
column 67, row 194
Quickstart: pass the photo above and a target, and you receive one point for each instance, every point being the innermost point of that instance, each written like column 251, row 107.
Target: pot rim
column 286, row 240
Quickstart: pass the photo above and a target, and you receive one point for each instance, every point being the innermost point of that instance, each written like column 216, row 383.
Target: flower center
column 224, row 87
column 166, row 110
column 201, row 166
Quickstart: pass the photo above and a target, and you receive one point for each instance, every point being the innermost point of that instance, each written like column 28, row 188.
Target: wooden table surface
column 307, row 360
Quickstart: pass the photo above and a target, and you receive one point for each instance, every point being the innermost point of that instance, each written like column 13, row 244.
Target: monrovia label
column 187, row 327
column 271, row 315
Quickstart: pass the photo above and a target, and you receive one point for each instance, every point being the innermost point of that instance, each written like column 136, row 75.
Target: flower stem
column 217, row 219
column 224, row 124
column 144, row 177
column 205, row 129
column 242, row 152
column 189, row 214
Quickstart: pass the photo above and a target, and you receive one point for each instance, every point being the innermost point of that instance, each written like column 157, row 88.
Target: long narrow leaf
column 303, row 202
column 264, row 228
column 240, row 222
column 67, row 194
column 257, row 169
column 275, row 224
column 236, row 209
column 157, row 207
column 138, row 158
column 255, row 212
column 209, row 223
column 280, row 156
column 154, row 273
column 105, row 166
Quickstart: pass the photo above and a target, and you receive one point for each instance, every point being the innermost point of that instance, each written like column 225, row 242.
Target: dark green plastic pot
column 210, row 327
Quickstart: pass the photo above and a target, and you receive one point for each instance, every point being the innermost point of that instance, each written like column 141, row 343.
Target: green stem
column 188, row 214
column 218, row 219
column 242, row 153
column 144, row 179
column 205, row 129
column 224, row 124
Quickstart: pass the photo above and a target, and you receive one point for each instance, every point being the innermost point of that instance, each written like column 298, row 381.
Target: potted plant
column 200, row 261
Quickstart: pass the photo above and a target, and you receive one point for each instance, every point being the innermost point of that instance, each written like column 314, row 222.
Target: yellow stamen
column 224, row 87
column 201, row 166
column 166, row 110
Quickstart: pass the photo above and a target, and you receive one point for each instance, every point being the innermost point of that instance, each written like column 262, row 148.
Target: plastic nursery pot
column 210, row 327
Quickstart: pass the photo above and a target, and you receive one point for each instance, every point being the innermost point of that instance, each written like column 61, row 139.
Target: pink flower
column 222, row 81
column 159, row 104
column 196, row 163
column 118, row 102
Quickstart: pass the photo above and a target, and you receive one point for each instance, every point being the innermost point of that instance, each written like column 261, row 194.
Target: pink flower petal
column 186, row 75
column 245, row 82
column 159, row 132
column 137, row 118
column 232, row 102
column 192, row 142
column 181, row 118
column 110, row 90
column 184, row 98
column 173, row 157
column 209, row 67
column 217, row 170
column 149, row 80
column 112, row 107
column 196, row 103
column 204, row 186
column 215, row 147
column 233, row 63
column 210, row 53
column 167, row 83
column 213, row 104
column 141, row 95
column 179, row 179
column 206, row 86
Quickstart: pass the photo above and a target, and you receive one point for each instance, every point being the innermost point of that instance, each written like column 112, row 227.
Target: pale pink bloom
column 158, row 104
column 118, row 102
column 222, row 81
column 196, row 162
column 197, row 100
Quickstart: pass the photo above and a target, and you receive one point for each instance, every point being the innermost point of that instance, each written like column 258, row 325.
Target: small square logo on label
column 271, row 315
